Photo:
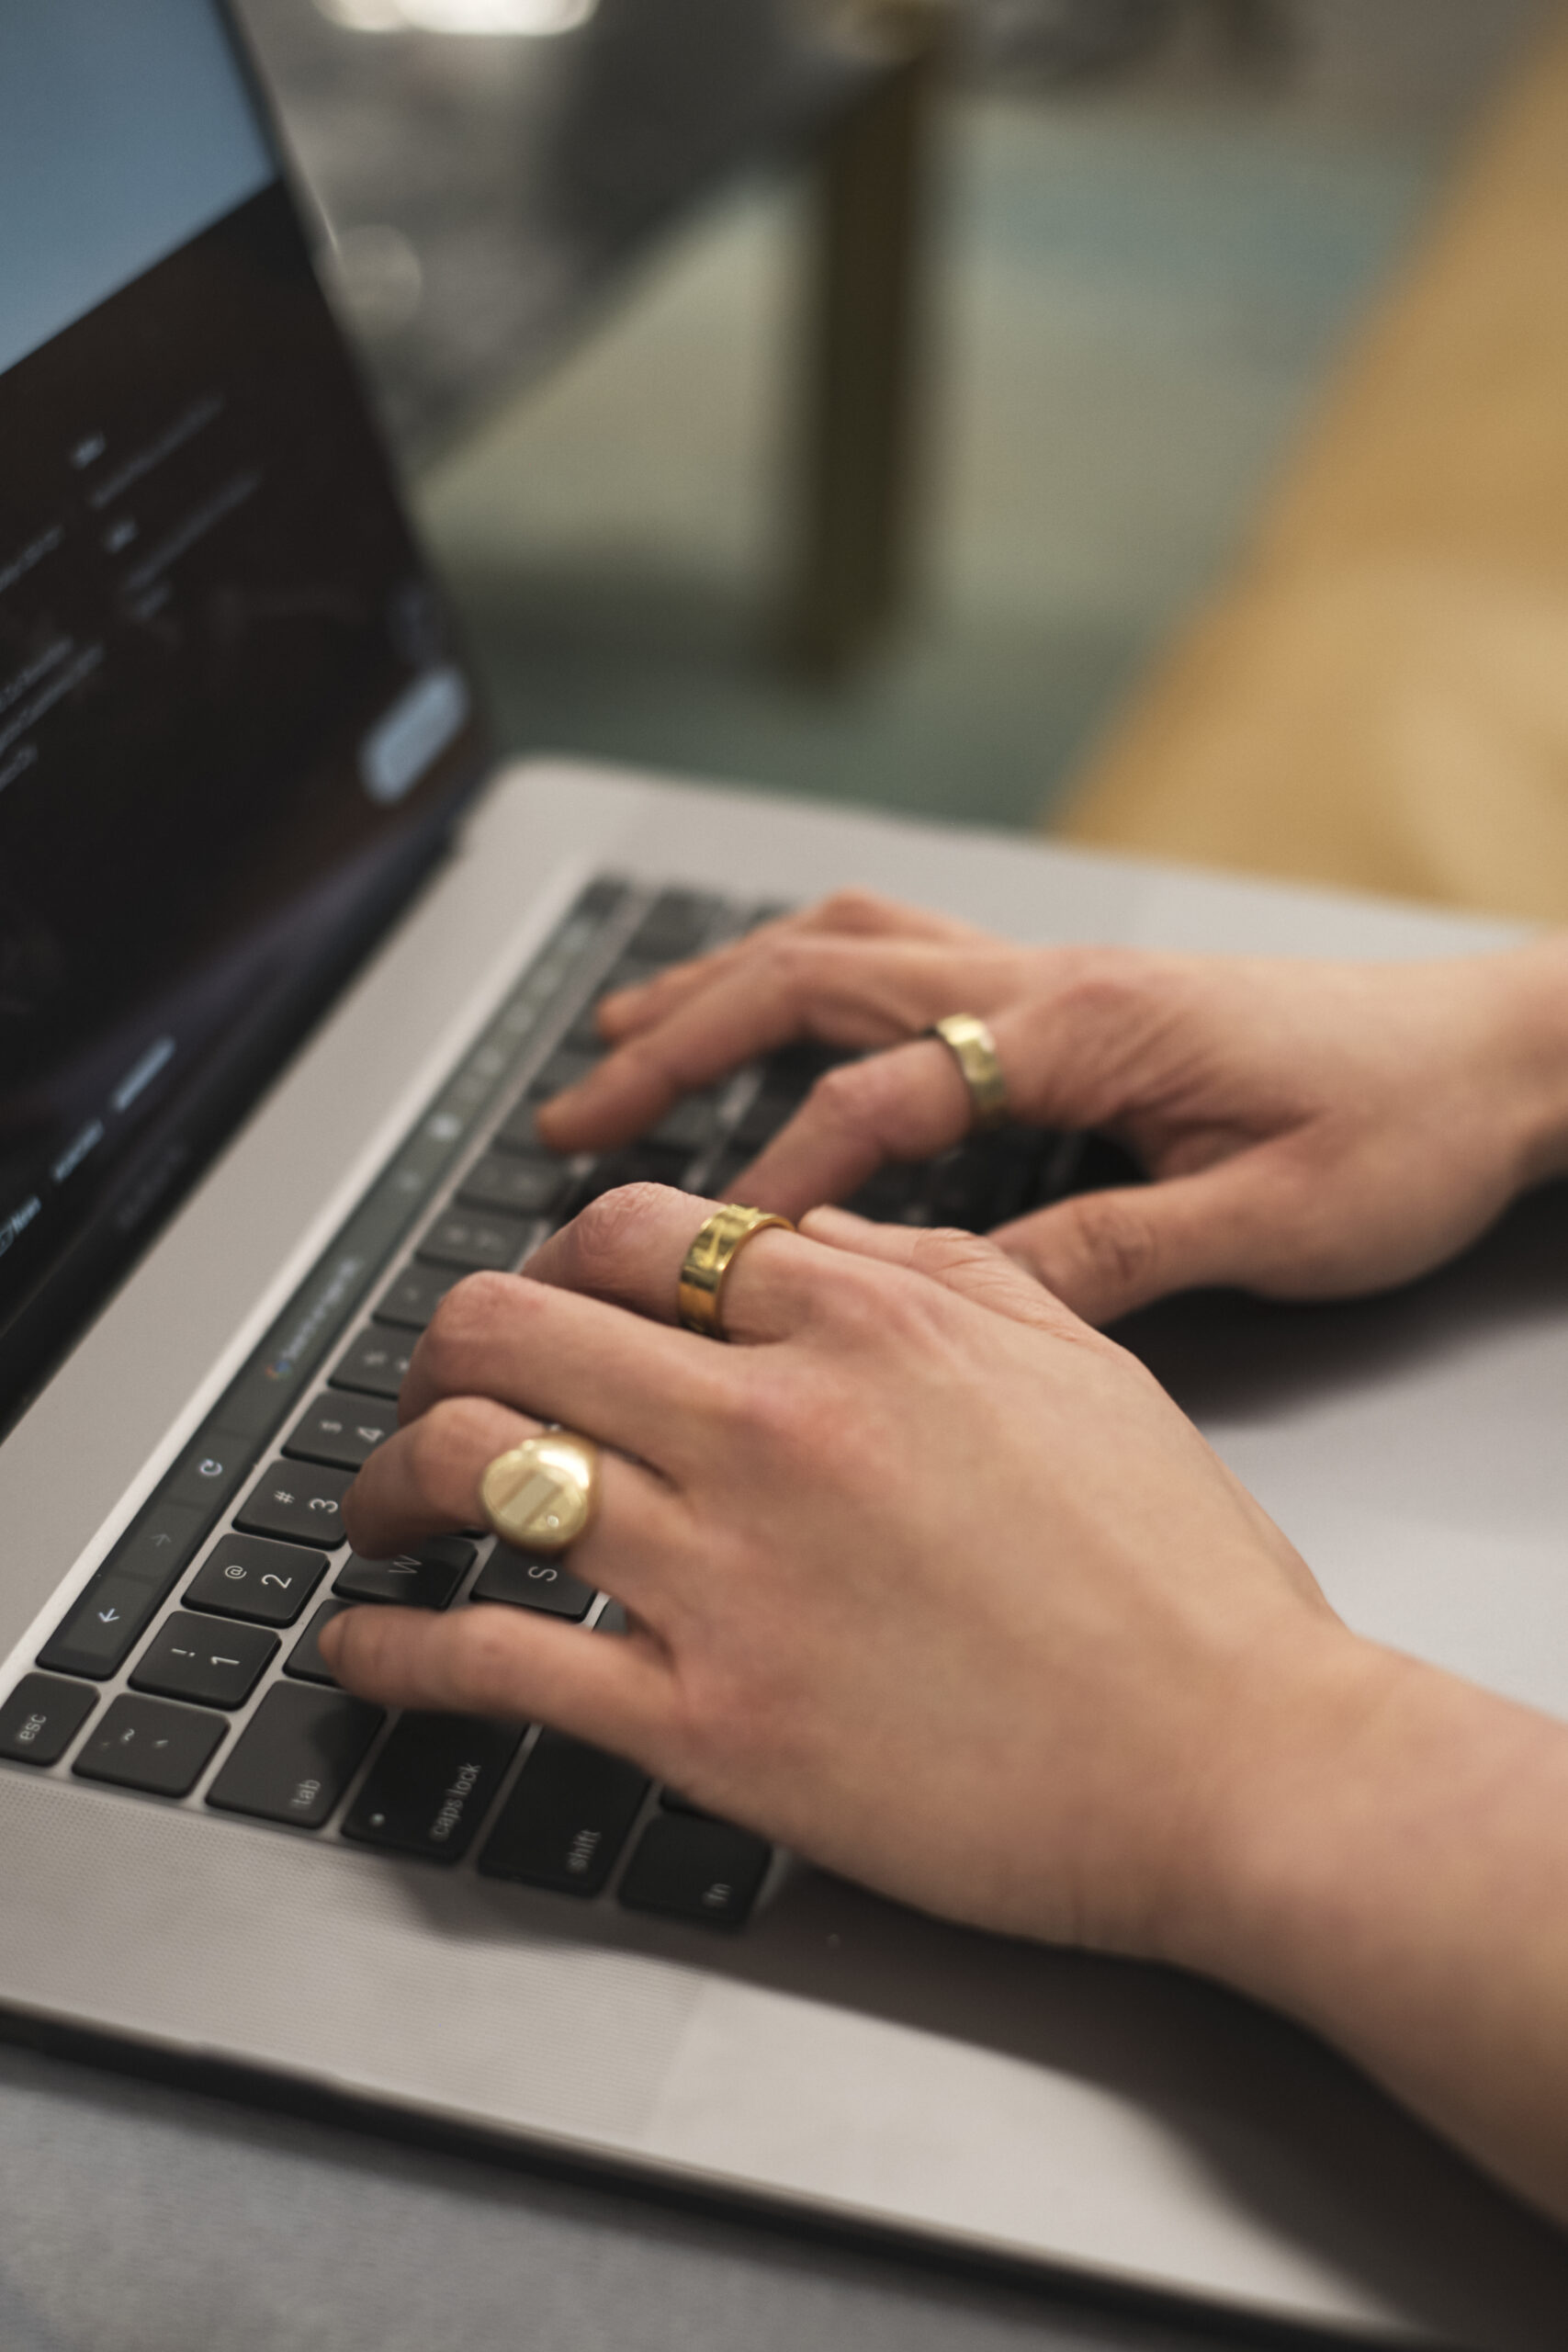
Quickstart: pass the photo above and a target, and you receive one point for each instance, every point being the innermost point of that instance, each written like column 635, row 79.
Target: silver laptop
column 283, row 969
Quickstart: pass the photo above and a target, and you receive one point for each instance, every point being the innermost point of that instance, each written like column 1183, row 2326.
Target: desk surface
column 141, row 2219
column 485, row 191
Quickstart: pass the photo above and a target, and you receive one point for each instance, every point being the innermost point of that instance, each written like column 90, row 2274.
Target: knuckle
column 614, row 1228
column 768, row 1405
column 943, row 1250
column 442, row 1441
column 856, row 910
column 847, row 1097
column 1118, row 1238
column 465, row 1321
column 794, row 958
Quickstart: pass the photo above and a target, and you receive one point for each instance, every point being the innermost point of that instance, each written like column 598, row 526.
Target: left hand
column 926, row 1579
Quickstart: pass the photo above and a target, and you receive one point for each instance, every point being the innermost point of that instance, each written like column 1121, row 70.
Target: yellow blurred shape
column 1380, row 698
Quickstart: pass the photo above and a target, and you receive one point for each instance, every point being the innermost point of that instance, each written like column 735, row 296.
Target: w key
column 298, row 1501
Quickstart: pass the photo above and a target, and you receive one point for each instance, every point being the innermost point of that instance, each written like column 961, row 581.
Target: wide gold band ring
column 974, row 1049
column 542, row 1495
column 708, row 1260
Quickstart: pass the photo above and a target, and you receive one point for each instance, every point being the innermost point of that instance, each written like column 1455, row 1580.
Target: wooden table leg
column 857, row 456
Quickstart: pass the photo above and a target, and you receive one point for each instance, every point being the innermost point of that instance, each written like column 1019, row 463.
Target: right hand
column 1313, row 1129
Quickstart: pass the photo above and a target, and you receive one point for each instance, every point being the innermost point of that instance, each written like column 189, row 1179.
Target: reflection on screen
column 124, row 130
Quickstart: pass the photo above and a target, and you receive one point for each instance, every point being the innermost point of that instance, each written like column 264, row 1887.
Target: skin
column 1316, row 1128
column 928, row 1578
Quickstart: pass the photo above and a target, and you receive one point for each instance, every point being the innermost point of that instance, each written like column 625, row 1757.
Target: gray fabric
column 136, row 2219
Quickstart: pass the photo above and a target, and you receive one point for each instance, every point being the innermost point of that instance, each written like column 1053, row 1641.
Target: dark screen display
column 229, row 716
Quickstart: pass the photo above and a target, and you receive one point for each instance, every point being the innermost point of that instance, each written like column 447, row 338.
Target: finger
column 852, row 913
column 846, row 992
column 426, row 1479
column 1106, row 1253
column 505, row 1662
column 536, row 1348
column 908, row 1104
column 628, row 1247
column 964, row 1263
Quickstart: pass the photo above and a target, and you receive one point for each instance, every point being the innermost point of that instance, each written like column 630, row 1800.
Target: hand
column 926, row 1579
column 1315, row 1129
column 934, row 1584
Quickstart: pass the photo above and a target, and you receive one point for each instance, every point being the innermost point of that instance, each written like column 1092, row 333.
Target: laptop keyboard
column 189, row 1669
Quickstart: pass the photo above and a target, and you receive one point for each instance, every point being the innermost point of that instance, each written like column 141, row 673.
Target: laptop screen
column 232, row 723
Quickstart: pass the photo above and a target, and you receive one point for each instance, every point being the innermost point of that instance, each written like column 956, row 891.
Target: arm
column 1315, row 1129
column 1126, row 1719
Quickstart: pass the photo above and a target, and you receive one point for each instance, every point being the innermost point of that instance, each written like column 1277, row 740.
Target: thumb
column 1105, row 1253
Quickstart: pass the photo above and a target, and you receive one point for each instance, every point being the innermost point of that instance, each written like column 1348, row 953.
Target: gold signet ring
column 708, row 1260
column 974, row 1049
column 542, row 1495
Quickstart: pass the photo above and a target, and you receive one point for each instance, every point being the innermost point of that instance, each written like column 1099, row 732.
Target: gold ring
column 542, row 1495
column 974, row 1049
column 710, row 1257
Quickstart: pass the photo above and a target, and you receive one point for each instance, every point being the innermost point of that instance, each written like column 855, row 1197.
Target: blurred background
column 1146, row 420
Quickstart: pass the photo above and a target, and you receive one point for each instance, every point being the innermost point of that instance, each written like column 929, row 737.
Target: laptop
column 285, row 962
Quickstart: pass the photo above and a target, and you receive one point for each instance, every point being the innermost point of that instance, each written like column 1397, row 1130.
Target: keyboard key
column 519, row 1133
column 298, row 1501
column 638, row 1163
column 770, row 1109
column 344, row 1435
column 685, row 1867
column 424, row 1579
column 297, row 1755
column 567, row 1819
column 41, row 1717
column 601, row 897
column 211, row 1471
column 631, row 972
column 564, row 1068
column 246, row 1576
column 474, row 1243
column 108, row 1620
column 143, row 1744
column 675, row 926
column 305, row 1661
column 671, row 1801
column 689, row 1126
column 515, row 1187
column 522, row 1580
column 190, row 1657
column 413, row 1297
column 432, row 1784
column 375, row 1365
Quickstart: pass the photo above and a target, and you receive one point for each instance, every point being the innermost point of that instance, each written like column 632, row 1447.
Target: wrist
column 1390, row 1871
column 1291, row 1773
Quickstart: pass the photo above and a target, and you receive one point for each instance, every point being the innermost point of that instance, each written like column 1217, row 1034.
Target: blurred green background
column 1142, row 275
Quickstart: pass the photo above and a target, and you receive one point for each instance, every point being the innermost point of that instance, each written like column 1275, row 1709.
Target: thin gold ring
column 709, row 1259
column 974, row 1049
column 542, row 1495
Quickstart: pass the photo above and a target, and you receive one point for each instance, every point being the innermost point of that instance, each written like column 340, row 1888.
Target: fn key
column 297, row 1755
